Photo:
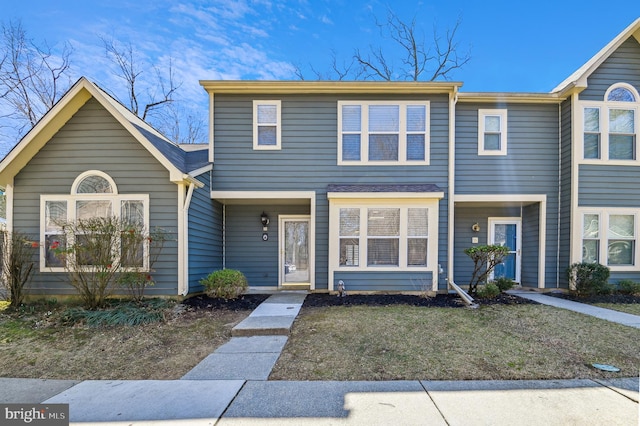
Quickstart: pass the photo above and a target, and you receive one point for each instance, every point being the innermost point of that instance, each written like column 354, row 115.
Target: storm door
column 294, row 250
column 507, row 232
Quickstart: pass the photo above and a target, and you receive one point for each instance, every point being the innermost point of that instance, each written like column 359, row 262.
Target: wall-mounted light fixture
column 475, row 227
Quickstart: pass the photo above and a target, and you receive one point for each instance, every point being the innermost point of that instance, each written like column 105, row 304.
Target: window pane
column 620, row 94
column 492, row 123
column 267, row 114
column 382, row 252
column 383, row 222
column 267, row 135
column 621, row 226
column 351, row 118
column 590, row 250
column 53, row 243
column 349, row 252
column 384, row 118
column 418, row 222
column 133, row 212
column 416, row 118
column 94, row 249
column 89, row 209
column 383, row 147
column 349, row 222
column 620, row 252
column 492, row 141
column 592, row 119
column 622, row 147
column 55, row 213
column 590, row 226
column 621, row 121
column 351, row 147
column 592, row 145
column 415, row 148
column 417, row 252
column 94, row 185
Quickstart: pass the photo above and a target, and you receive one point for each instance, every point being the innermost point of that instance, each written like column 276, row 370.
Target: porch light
column 264, row 219
column 475, row 227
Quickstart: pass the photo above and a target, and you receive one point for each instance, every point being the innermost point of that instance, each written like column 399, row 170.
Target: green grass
column 630, row 308
column 493, row 342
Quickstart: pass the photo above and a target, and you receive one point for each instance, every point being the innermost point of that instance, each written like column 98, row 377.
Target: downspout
column 453, row 99
column 559, row 195
column 184, row 200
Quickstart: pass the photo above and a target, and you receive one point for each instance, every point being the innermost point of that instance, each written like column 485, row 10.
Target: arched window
column 93, row 194
column 611, row 126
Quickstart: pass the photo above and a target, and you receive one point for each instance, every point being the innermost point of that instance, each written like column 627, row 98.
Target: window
column 618, row 229
column 378, row 235
column 610, row 127
column 492, row 132
column 93, row 194
column 383, row 133
column 266, row 125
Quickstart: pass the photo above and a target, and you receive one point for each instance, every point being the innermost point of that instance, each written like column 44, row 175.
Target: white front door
column 507, row 231
column 294, row 250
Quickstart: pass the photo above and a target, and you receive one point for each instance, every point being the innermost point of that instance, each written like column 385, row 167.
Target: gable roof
column 579, row 78
column 177, row 161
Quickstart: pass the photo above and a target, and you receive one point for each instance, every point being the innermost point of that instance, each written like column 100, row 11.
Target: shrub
column 488, row 291
column 225, row 283
column 485, row 259
column 587, row 279
column 628, row 287
column 16, row 261
column 504, row 283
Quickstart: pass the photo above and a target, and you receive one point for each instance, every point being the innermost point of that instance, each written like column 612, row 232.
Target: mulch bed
column 251, row 301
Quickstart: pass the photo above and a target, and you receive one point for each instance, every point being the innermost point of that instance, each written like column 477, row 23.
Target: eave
column 511, row 98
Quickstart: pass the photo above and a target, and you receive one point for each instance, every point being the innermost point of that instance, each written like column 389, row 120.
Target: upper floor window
column 492, row 132
column 383, row 133
column 266, row 125
column 610, row 127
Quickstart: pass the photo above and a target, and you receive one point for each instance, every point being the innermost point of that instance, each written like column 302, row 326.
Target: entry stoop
column 274, row 316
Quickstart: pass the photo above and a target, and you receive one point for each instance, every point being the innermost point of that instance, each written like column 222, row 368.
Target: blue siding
column 531, row 244
column 93, row 140
column 205, row 235
column 385, row 281
column 565, row 193
column 622, row 66
column 597, row 181
column 308, row 162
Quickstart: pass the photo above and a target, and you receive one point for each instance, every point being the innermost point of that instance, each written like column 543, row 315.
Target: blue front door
column 506, row 232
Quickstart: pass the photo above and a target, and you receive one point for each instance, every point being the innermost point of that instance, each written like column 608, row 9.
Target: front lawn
column 494, row 342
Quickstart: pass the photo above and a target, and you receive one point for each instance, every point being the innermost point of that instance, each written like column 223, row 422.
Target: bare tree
column 143, row 99
column 32, row 78
column 410, row 59
column 181, row 126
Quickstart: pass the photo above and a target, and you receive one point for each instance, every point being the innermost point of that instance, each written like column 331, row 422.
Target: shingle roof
column 426, row 187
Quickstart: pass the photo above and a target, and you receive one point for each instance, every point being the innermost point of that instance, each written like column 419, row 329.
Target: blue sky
column 514, row 46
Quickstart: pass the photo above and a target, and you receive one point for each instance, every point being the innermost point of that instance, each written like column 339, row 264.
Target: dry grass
column 35, row 348
column 494, row 342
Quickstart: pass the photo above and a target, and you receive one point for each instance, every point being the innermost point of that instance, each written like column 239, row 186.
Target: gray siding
column 597, row 183
column 308, row 160
column 385, row 281
column 623, row 66
column 565, row 193
column 530, row 245
column 245, row 249
column 93, row 140
column 205, row 235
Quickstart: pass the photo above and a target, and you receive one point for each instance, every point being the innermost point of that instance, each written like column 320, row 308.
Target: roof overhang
column 328, row 87
column 510, row 98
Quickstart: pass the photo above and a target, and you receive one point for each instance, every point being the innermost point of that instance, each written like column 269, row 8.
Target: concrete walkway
column 583, row 308
column 230, row 387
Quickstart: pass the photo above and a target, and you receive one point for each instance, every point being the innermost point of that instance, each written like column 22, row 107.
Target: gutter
column 453, row 99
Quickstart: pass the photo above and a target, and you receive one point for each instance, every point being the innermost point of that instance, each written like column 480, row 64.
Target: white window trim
column 80, row 178
column 603, row 237
column 116, row 203
column 402, row 139
column 278, row 145
column 502, row 113
column 364, row 204
column 605, row 106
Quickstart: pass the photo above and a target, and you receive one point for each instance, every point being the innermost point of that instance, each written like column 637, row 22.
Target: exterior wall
column 405, row 281
column 94, row 140
column 245, row 249
column 566, row 169
column 205, row 235
column 596, row 183
column 622, row 66
column 531, row 166
column 308, row 161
